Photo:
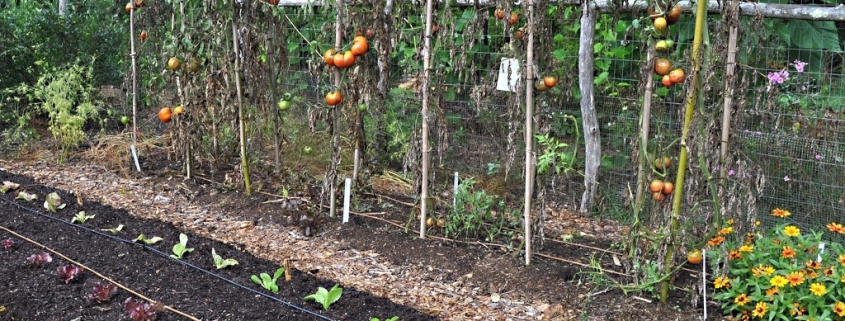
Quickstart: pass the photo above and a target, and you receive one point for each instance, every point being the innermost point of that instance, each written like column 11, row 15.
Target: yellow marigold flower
column 795, row 278
column 797, row 310
column 734, row 255
column 834, row 227
column 838, row 308
column 716, row 241
column 760, row 310
column 742, row 299
column 842, row 279
column 780, row 213
column 787, row 252
column 818, row 289
column 757, row 223
column 746, row 248
column 721, row 282
column 778, row 281
column 842, row 259
column 769, row 270
column 814, row 265
column 726, row 230
column 791, row 230
column 729, row 222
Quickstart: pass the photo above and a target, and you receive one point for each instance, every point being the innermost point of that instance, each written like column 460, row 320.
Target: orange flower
column 749, row 237
column 716, row 241
column 835, row 227
column 828, row 271
column 795, row 278
column 734, row 255
column 726, row 230
column 760, row 310
column 771, row 292
column 839, row 308
column 787, row 252
column 796, row 310
column 780, row 213
column 742, row 299
column 815, row 265
column 842, row 259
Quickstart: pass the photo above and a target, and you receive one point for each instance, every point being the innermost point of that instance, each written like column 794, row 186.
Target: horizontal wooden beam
column 767, row 10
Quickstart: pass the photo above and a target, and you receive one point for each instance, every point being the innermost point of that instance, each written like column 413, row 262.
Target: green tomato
column 307, row 150
column 362, row 107
column 284, row 105
column 287, row 96
column 124, row 120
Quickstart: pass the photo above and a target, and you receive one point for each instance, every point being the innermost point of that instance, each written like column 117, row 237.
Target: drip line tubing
column 167, row 256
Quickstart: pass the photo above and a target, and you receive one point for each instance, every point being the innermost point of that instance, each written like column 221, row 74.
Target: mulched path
column 37, row 293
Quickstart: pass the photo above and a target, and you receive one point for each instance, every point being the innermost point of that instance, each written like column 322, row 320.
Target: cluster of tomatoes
column 661, row 189
column 342, row 60
column 662, row 18
column 166, row 114
column 512, row 20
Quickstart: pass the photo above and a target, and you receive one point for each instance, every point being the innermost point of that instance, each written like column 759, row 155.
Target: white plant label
column 508, row 75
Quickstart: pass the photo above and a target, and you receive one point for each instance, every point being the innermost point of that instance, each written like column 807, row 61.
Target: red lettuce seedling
column 139, row 311
column 68, row 272
column 102, row 292
column 37, row 260
column 7, row 244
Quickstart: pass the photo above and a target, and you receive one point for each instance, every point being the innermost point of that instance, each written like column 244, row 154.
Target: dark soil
column 37, row 293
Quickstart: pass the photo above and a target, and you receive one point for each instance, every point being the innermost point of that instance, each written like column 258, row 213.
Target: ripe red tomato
column 499, row 13
column 694, row 256
column 334, row 98
column 359, row 46
column 656, row 186
column 165, row 114
column 677, row 76
column 666, row 81
column 673, row 15
column 144, row 35
column 514, row 19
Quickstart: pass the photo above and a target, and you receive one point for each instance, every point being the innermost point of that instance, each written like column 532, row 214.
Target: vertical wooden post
column 134, row 56
column 529, row 130
column 241, row 113
column 332, row 176
column 426, row 87
column 592, row 140
column 730, row 77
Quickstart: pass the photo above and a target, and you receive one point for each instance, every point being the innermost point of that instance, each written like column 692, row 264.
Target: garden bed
column 37, row 293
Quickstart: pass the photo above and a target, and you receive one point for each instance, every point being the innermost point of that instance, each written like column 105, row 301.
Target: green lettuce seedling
column 53, row 202
column 115, row 230
column 181, row 248
column 8, row 186
column 267, row 282
column 220, row 263
column 326, row 297
column 148, row 241
column 81, row 217
column 394, row 318
column 26, row 196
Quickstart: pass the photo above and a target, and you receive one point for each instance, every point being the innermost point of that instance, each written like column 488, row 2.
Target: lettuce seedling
column 53, row 202
column 181, row 248
column 102, row 292
column 148, row 241
column 7, row 244
column 221, row 263
column 8, row 186
column 394, row 318
column 81, row 217
column 26, row 196
column 267, row 282
column 115, row 230
column 326, row 297
column 139, row 311
column 68, row 272
column 37, row 260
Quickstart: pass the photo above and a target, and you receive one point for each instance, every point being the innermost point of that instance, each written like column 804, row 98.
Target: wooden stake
column 426, row 87
column 529, row 131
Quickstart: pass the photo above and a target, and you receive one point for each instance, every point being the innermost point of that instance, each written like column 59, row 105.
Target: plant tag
column 821, row 250
column 508, row 75
column 346, row 191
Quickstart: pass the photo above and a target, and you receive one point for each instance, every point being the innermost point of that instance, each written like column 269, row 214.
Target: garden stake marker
column 134, row 56
column 704, row 280
column 347, row 189
column 426, row 87
column 99, row 275
column 455, row 192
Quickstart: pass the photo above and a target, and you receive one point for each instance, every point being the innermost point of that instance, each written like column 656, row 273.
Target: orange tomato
column 673, row 15
column 550, row 81
column 519, row 33
column 165, row 114
column 658, row 196
column 514, row 19
column 144, row 35
column 656, row 186
column 339, row 61
column 677, row 76
column 328, row 57
column 359, row 46
column 334, row 98
column 499, row 13
column 668, row 188
column 662, row 66
column 694, row 256
column 348, row 59
column 666, row 81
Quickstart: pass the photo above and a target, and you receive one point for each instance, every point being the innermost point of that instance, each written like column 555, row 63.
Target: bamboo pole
column 766, row 10
column 730, row 77
column 426, row 87
column 134, row 57
column 332, row 175
column 241, row 114
column 529, row 131
column 271, row 59
column 643, row 164
column 692, row 94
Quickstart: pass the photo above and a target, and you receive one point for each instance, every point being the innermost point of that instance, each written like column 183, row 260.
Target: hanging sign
column 508, row 75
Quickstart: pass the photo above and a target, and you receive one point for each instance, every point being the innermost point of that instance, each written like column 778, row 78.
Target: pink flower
column 818, row 157
column 786, row 178
column 778, row 77
column 799, row 65
column 731, row 173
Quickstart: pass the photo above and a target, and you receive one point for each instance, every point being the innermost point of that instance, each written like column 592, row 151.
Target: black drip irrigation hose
column 167, row 256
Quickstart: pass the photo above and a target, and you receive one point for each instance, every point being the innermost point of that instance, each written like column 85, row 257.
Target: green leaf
column 256, row 280
column 559, row 54
column 334, row 295
column 278, row 273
